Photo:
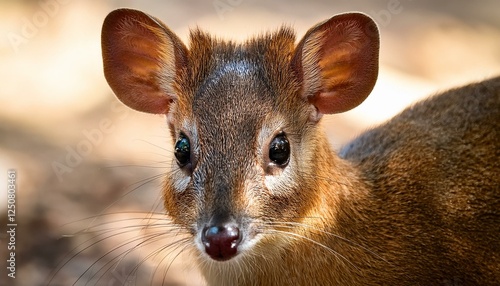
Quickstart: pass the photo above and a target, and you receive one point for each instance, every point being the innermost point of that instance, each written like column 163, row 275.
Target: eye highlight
column 279, row 150
column 182, row 151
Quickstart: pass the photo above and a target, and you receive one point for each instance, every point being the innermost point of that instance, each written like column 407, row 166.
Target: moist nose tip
column 221, row 241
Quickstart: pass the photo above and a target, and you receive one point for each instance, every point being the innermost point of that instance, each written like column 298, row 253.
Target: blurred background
column 89, row 170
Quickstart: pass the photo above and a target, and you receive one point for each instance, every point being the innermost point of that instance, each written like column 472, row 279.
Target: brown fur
column 413, row 202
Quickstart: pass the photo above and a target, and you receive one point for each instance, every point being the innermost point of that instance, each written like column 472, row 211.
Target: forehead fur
column 269, row 54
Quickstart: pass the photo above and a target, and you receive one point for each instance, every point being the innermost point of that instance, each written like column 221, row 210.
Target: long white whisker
column 140, row 183
column 112, row 250
column 174, row 258
column 320, row 230
column 298, row 236
column 150, row 239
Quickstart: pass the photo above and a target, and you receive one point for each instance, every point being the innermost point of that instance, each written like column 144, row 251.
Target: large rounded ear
column 337, row 62
column 142, row 59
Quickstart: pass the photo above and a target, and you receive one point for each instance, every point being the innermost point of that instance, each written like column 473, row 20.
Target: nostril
column 221, row 242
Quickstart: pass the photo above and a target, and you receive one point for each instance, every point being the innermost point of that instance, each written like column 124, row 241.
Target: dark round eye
column 182, row 150
column 279, row 150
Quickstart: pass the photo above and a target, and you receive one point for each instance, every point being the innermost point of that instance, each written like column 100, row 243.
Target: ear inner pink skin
column 337, row 62
column 141, row 60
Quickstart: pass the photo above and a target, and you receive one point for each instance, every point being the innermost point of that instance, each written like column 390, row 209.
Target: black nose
column 221, row 242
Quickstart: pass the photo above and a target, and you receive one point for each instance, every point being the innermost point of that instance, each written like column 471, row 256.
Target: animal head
column 243, row 117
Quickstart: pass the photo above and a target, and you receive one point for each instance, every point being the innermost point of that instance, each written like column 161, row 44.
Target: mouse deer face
column 243, row 118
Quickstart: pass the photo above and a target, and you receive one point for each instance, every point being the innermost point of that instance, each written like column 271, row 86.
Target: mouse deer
column 256, row 185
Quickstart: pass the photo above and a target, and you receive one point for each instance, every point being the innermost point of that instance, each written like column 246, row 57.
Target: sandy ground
column 56, row 109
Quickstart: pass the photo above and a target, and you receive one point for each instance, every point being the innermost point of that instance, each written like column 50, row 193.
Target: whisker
column 128, row 219
column 146, row 240
column 137, row 166
column 169, row 150
column 114, row 249
column 298, row 236
column 101, row 257
column 103, row 235
column 320, row 230
column 141, row 184
column 177, row 243
column 173, row 259
column 155, row 206
column 106, row 214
